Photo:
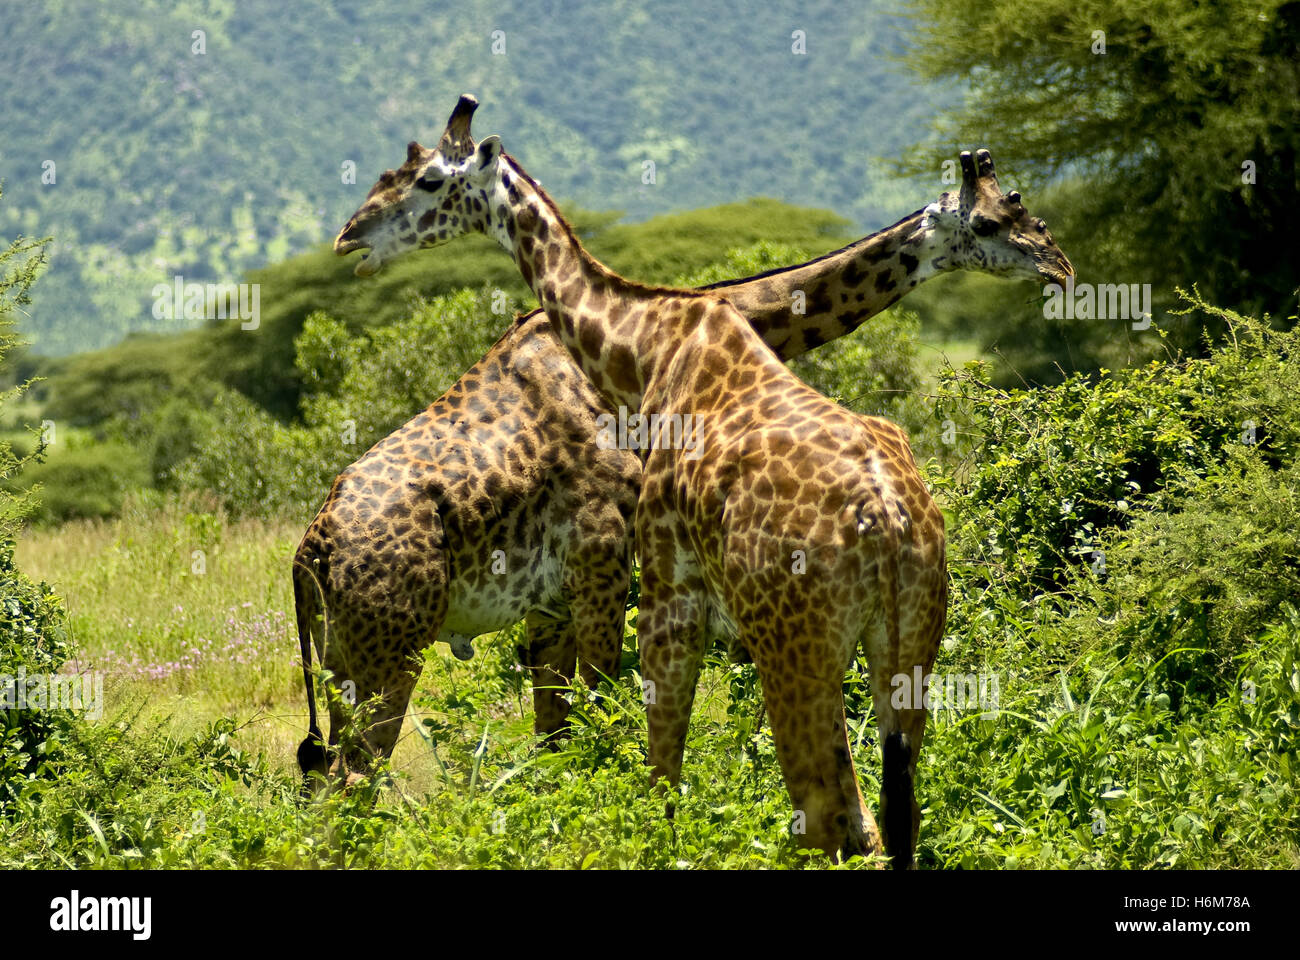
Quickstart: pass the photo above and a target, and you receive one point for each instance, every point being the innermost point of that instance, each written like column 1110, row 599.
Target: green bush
column 1049, row 470
column 1210, row 575
column 33, row 640
column 255, row 465
column 33, row 633
column 1104, row 763
column 90, row 481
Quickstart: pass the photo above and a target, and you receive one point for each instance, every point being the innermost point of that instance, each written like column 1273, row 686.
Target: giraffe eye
column 983, row 226
column 430, row 183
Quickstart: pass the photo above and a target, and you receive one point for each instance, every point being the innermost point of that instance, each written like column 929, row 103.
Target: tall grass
column 1087, row 763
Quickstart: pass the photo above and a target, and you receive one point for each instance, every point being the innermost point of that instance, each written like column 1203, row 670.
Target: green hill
column 166, row 160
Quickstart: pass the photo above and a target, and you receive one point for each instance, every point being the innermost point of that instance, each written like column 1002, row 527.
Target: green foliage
column 90, row 481
column 1155, row 133
column 253, row 464
column 1054, row 467
column 123, row 385
column 225, row 160
column 676, row 247
column 1097, row 766
column 33, row 639
column 1210, row 576
column 260, row 363
column 131, row 793
column 1123, row 560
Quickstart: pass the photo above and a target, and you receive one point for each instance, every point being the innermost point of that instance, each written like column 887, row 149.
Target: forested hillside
column 167, row 160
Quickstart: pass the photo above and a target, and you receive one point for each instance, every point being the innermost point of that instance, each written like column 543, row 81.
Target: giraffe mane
column 634, row 286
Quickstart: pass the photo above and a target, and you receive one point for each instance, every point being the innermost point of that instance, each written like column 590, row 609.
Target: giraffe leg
column 599, row 614
column 372, row 629
column 371, row 651
column 669, row 639
column 808, row 726
column 548, row 653
column 360, row 673
column 385, row 724
column 593, row 634
column 596, row 578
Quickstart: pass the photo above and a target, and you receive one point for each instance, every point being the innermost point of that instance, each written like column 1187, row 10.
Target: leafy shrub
column 1051, row 469
column 1211, row 575
column 33, row 635
column 90, row 481
column 1104, row 765
column 33, row 640
column 255, row 465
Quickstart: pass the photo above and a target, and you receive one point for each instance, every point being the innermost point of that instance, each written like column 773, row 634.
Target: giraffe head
column 982, row 228
column 435, row 196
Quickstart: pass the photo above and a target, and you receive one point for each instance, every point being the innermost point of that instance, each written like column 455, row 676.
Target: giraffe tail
column 896, row 750
column 306, row 590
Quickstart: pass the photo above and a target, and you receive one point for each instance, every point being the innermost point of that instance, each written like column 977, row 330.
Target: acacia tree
column 1181, row 118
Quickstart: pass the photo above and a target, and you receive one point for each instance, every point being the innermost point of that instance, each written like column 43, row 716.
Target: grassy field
column 205, row 710
column 1124, row 731
column 193, row 612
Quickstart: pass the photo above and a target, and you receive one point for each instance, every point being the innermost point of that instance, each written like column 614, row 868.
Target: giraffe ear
column 489, row 150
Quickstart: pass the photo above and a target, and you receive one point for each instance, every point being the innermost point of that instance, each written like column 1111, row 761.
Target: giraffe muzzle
column 349, row 238
column 1058, row 271
column 369, row 263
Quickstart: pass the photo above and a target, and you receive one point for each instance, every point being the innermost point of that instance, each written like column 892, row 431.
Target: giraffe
column 784, row 470
column 424, row 512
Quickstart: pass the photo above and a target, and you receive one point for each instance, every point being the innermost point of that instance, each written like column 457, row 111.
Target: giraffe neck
column 616, row 330
column 799, row 308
